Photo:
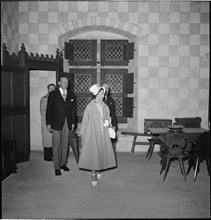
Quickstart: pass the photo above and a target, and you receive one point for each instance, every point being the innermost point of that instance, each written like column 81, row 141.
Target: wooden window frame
column 128, row 52
column 69, row 52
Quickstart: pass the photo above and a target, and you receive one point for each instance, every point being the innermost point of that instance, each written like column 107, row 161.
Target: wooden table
column 135, row 135
column 192, row 133
column 158, row 131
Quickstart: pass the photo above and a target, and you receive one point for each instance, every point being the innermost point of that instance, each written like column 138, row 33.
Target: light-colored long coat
column 97, row 151
column 46, row 135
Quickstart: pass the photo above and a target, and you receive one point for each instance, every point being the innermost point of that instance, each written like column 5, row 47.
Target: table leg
column 133, row 145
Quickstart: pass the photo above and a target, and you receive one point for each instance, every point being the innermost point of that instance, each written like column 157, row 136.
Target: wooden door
column 15, row 110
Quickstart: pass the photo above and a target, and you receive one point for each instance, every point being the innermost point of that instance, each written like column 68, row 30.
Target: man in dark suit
column 60, row 120
column 111, row 105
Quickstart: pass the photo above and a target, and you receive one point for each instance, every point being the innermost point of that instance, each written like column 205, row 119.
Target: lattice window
column 115, row 82
column 118, row 106
column 114, row 53
column 82, row 83
column 82, row 53
column 81, row 103
column 121, row 84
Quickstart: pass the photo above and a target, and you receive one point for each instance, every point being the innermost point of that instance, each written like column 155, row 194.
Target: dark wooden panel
column 8, row 156
column 129, row 51
column 13, row 111
column 7, row 127
column 15, row 123
column 20, row 135
column 128, row 82
column 12, row 69
column 6, row 89
column 18, row 90
column 194, row 122
column 128, row 107
column 69, row 51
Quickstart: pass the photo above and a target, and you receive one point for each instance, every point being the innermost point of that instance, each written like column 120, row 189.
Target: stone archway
column 117, row 26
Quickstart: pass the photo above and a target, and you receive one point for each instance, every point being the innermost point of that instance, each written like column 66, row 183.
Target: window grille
column 81, row 103
column 118, row 106
column 115, row 82
column 114, row 53
column 82, row 53
column 82, row 83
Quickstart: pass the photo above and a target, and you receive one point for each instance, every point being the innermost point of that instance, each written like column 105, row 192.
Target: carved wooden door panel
column 15, row 110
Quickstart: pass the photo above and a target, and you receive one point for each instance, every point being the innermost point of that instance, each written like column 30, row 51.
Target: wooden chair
column 154, row 123
column 152, row 142
column 189, row 122
column 200, row 153
column 174, row 145
column 194, row 122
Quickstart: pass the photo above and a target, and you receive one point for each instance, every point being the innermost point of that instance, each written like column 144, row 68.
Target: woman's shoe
column 94, row 183
column 94, row 179
column 99, row 175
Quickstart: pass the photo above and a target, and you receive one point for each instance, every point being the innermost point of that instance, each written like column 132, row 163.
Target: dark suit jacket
column 111, row 106
column 58, row 109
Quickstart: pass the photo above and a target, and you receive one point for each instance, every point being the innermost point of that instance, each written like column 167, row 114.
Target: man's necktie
column 64, row 95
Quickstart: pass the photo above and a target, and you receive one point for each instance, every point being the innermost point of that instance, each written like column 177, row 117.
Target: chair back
column 175, row 143
column 203, row 141
column 194, row 122
column 156, row 123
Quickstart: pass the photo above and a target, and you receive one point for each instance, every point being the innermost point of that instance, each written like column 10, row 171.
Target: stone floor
column 133, row 190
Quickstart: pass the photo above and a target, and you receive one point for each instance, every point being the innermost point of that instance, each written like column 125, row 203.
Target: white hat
column 94, row 89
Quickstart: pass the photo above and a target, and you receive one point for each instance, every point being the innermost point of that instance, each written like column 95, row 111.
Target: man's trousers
column 60, row 142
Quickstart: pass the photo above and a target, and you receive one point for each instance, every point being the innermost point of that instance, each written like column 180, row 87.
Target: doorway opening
column 38, row 80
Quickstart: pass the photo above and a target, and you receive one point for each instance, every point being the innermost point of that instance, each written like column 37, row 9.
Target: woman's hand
column 106, row 123
column 82, row 140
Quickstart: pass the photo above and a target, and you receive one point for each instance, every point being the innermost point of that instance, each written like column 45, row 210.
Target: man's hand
column 73, row 126
column 49, row 128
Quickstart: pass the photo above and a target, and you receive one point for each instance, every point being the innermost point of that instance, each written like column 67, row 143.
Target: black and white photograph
column 105, row 109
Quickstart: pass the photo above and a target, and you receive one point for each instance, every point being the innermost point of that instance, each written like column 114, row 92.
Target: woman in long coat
column 97, row 153
column 46, row 135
